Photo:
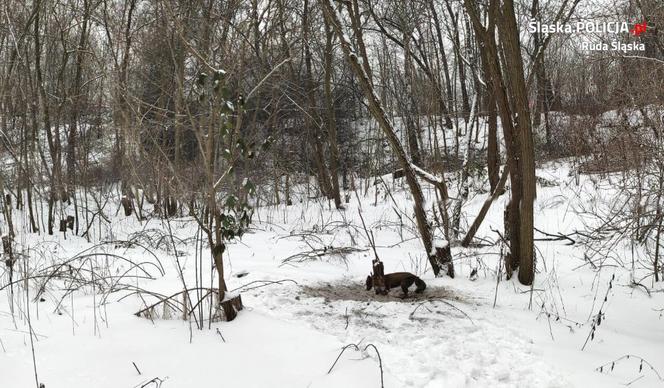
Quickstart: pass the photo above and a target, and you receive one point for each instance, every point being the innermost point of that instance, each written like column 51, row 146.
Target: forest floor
column 301, row 271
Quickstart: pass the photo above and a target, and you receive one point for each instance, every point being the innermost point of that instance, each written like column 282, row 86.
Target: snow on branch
column 427, row 176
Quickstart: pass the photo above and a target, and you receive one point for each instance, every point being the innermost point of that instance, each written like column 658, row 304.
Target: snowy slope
column 290, row 334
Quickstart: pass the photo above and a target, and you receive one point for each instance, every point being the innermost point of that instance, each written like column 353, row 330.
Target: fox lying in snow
column 383, row 283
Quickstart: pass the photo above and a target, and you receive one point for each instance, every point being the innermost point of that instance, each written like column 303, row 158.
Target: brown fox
column 383, row 283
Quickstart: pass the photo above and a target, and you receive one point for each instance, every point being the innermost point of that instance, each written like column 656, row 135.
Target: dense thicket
column 198, row 107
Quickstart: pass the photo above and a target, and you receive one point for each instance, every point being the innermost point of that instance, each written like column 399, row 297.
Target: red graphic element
column 639, row 28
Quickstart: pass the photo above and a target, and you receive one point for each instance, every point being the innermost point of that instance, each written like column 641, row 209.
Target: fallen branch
column 320, row 252
column 459, row 310
column 263, row 284
column 485, row 209
column 555, row 237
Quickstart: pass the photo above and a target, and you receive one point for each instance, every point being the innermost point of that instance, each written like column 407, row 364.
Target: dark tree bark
column 493, row 153
column 517, row 130
column 330, row 115
column 456, row 40
column 323, row 174
column 437, row 255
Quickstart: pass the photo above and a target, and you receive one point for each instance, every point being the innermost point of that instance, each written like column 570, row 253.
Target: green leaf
column 201, row 79
column 267, row 143
column 231, row 201
column 248, row 185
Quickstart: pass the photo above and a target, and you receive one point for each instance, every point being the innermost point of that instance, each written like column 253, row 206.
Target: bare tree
column 436, row 254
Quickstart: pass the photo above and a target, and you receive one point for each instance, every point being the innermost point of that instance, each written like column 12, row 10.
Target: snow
column 288, row 337
column 430, row 177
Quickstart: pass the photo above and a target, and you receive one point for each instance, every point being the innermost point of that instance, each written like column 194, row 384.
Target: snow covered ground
column 291, row 332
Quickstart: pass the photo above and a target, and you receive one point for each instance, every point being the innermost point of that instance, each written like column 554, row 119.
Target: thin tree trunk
column 319, row 151
column 331, row 119
column 509, row 32
column 517, row 133
column 465, row 102
column 435, row 255
column 493, row 152
column 495, row 193
column 411, row 127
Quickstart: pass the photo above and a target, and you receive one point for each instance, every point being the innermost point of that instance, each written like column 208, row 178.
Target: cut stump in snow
column 396, row 174
column 444, row 257
column 127, row 205
column 8, row 253
column 7, row 245
column 229, row 308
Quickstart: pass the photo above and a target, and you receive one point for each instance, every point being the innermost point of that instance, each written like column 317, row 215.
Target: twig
column 137, row 370
column 222, row 337
column 598, row 318
column 264, row 283
column 555, row 237
column 498, row 276
column 412, row 314
column 380, row 363
column 32, row 343
column 600, row 368
column 156, row 381
column 347, row 318
column 459, row 310
column 370, row 237
column 342, row 352
column 635, row 283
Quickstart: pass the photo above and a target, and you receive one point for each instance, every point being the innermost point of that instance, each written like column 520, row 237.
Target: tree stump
column 170, row 206
column 229, row 308
column 7, row 245
column 444, row 257
column 127, row 205
column 400, row 173
column 506, row 223
column 378, row 277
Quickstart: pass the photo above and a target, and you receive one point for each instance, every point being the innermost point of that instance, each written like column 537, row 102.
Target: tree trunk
column 445, row 66
column 495, row 193
column 493, row 152
column 331, row 119
column 509, row 32
column 465, row 173
column 517, row 133
column 410, row 113
column 435, row 258
column 465, row 103
column 315, row 130
column 230, row 307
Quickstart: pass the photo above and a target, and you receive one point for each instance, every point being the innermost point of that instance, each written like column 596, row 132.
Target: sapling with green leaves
column 227, row 213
